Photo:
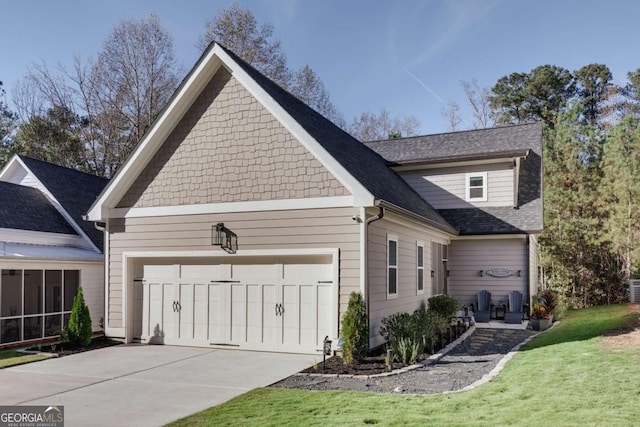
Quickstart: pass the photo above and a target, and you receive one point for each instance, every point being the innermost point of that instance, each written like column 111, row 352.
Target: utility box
column 634, row 291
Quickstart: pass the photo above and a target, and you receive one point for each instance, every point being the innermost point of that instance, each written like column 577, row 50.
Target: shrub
column 445, row 306
column 78, row 331
column 355, row 331
column 406, row 350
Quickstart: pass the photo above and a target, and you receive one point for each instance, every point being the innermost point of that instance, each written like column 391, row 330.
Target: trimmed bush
column 445, row 306
column 78, row 332
column 355, row 330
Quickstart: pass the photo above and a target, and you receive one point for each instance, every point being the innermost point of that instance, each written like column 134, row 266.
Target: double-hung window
column 420, row 267
column 392, row 266
column 476, row 187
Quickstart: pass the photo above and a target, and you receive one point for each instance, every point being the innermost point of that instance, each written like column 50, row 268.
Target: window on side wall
column 420, row 267
column 392, row 266
column 476, row 187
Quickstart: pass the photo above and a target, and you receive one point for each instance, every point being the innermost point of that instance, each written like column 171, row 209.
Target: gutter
column 365, row 256
column 405, row 212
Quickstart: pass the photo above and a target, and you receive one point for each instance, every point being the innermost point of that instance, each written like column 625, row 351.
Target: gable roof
column 363, row 172
column 74, row 190
column 365, row 165
column 26, row 208
column 497, row 142
column 494, row 143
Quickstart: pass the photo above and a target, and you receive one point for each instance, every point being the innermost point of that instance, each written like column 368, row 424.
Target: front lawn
column 12, row 358
column 562, row 377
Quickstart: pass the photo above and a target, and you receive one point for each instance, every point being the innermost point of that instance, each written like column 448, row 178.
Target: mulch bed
column 369, row 366
column 66, row 349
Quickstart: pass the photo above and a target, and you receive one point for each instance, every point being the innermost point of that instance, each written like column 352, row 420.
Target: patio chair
column 483, row 313
column 514, row 313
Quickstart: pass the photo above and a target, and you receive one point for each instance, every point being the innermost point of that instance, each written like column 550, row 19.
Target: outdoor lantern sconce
column 225, row 238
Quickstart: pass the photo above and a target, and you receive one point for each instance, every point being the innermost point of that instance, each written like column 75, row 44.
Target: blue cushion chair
column 483, row 313
column 514, row 313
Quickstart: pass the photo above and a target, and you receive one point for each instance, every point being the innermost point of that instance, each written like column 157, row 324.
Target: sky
column 406, row 56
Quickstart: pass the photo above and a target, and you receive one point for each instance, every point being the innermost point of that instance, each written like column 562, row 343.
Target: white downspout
column 366, row 260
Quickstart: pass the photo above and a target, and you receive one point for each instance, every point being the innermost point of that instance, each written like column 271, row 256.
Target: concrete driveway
column 143, row 385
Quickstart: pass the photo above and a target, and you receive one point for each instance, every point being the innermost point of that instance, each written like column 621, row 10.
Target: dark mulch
column 66, row 349
column 369, row 366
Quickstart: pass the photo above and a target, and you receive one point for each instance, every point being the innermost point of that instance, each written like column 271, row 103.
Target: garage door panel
column 186, row 300
column 324, row 312
column 200, row 311
column 238, row 314
column 307, row 315
column 251, row 303
column 218, row 313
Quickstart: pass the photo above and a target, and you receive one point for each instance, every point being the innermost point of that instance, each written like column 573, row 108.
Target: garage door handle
column 279, row 310
column 225, row 281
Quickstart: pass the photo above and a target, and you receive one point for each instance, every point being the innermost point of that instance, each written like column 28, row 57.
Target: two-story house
column 487, row 184
column 244, row 219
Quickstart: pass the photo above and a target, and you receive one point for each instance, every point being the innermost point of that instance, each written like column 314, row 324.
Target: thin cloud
column 424, row 85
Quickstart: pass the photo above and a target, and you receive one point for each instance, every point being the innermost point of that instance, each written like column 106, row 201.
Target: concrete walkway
column 143, row 385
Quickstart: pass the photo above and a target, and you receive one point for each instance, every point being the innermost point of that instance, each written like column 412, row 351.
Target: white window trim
column 394, row 238
column 468, row 177
column 419, row 291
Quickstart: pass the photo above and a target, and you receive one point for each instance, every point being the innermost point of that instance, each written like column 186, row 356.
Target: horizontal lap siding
column 533, row 264
column 446, row 188
column 408, row 299
column 297, row 229
column 468, row 257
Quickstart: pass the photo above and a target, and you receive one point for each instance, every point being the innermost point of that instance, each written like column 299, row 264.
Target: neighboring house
column 46, row 249
column 317, row 215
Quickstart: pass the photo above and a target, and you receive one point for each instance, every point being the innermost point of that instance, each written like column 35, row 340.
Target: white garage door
column 284, row 307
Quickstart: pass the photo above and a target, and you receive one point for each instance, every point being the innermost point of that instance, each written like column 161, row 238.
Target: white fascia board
column 252, row 206
column 220, row 253
column 492, row 237
column 41, row 238
column 153, row 140
column 362, row 196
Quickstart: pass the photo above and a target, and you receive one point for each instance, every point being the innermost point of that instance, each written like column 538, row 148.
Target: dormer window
column 477, row 187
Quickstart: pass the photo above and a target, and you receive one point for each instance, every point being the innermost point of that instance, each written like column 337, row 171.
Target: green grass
column 12, row 358
column 563, row 377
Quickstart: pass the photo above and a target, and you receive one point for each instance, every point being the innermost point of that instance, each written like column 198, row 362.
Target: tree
column 307, row 86
column 478, row 98
column 538, row 95
column 577, row 259
column 355, row 330
column 550, row 88
column 117, row 96
column 53, row 138
column 236, row 28
column 7, row 126
column 372, row 127
column 621, row 186
column 451, row 113
column 510, row 99
column 79, row 331
column 593, row 85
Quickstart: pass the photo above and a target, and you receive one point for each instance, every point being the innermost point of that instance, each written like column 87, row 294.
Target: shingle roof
column 27, row 208
column 362, row 163
column 74, row 190
column 497, row 142
column 466, row 145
